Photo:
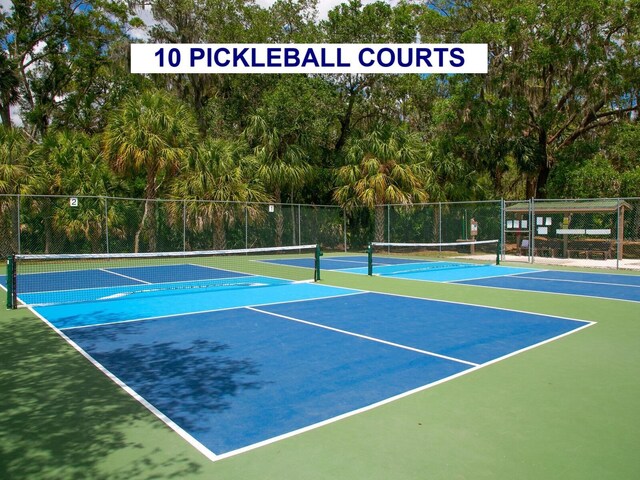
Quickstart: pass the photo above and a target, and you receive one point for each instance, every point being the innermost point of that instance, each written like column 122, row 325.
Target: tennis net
column 38, row 280
column 406, row 258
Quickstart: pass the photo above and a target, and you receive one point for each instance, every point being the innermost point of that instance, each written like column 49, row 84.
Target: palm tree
column 68, row 163
column 382, row 167
column 151, row 133
column 13, row 150
column 282, row 162
column 220, row 173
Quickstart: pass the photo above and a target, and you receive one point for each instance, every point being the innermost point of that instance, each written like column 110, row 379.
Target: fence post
column 344, row 227
column 299, row 226
column 532, row 230
column 503, row 221
column 184, row 225
column 619, row 229
column 440, row 225
column 388, row 222
column 19, row 224
column 11, row 282
column 106, row 223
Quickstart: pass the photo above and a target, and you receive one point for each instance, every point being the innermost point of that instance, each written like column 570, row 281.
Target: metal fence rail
column 604, row 230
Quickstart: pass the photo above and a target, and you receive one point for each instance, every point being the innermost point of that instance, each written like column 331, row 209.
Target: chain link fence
column 602, row 230
column 607, row 230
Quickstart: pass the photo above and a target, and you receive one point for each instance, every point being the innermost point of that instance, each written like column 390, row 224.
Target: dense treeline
column 556, row 116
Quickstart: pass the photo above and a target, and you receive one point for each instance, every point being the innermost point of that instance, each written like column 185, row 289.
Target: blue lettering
column 254, row 60
column 273, row 57
column 340, row 62
column 196, row 54
column 454, row 54
column 441, row 51
column 323, row 58
column 381, row 61
column 361, row 57
column 423, row 54
column 291, row 57
column 408, row 61
column 216, row 57
column 238, row 56
column 310, row 57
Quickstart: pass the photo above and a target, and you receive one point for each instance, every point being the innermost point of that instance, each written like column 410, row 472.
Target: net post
column 318, row 254
column 11, row 282
column 370, row 259
column 498, row 251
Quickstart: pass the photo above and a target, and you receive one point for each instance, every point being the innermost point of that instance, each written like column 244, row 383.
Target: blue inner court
column 602, row 285
column 235, row 376
column 235, row 365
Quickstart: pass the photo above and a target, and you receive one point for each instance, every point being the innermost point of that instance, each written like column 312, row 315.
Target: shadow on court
column 61, row 418
column 184, row 381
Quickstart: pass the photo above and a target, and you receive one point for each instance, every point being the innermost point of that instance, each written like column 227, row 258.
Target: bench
column 603, row 250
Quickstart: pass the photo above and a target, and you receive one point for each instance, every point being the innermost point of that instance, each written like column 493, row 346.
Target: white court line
column 500, row 275
column 161, row 416
column 215, row 457
column 394, row 398
column 458, row 282
column 587, row 282
column 365, row 337
column 124, row 276
column 200, row 312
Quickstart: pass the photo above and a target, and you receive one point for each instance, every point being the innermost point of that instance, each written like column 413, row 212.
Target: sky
column 323, row 9
column 323, row 5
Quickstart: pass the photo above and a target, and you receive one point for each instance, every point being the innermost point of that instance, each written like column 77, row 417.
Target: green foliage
column 54, row 51
column 557, row 114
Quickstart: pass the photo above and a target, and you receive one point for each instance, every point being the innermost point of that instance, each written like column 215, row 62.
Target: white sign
column 73, row 202
column 271, row 208
column 309, row 58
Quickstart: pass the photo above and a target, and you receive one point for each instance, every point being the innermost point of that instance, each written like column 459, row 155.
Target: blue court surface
column 254, row 366
column 236, row 365
column 601, row 285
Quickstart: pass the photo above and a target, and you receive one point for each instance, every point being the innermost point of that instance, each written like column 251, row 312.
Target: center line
column 373, row 339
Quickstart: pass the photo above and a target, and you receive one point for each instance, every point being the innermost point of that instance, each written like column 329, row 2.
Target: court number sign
column 73, row 202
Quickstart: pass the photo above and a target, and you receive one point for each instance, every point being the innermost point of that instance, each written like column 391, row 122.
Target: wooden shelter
column 567, row 208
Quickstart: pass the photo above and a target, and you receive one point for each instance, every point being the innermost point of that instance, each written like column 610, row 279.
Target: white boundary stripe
column 201, row 312
column 500, row 275
column 365, row 337
column 394, row 398
column 586, row 282
column 504, row 309
column 537, row 291
column 121, row 275
column 213, row 457
column 163, row 418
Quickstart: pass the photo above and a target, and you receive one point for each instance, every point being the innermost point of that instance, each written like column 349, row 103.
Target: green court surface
column 567, row 409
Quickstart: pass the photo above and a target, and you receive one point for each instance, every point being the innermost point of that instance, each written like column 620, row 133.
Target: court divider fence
column 605, row 230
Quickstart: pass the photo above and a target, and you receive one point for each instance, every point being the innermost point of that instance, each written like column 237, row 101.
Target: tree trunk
column 136, row 241
column 379, row 223
column 279, row 218
column 219, row 232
